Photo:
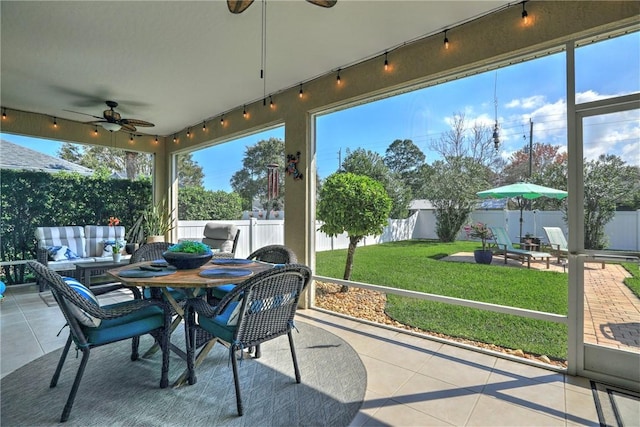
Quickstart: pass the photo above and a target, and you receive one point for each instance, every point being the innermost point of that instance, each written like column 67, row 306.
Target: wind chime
column 272, row 182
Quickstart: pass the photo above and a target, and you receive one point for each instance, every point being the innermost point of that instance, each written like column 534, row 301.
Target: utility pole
column 530, row 147
column 339, row 159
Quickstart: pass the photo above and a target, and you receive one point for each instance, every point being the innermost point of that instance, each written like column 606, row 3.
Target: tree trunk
column 353, row 242
column 131, row 164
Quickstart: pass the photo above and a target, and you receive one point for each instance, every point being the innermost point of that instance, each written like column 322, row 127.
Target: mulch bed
column 370, row 305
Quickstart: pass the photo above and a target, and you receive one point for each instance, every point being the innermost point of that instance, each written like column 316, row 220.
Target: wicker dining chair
column 274, row 254
column 255, row 311
column 149, row 252
column 92, row 325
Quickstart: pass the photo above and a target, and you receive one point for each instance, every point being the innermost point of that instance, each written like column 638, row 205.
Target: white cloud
column 529, row 102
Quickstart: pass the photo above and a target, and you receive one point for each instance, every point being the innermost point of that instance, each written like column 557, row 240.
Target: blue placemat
column 221, row 273
column 137, row 273
column 231, row 261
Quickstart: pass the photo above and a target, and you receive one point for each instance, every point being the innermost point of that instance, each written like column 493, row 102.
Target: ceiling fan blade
column 136, row 122
column 84, row 114
column 238, row 6
column 323, row 3
column 128, row 127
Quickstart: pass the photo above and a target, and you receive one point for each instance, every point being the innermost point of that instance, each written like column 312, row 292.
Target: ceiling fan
column 113, row 122
column 239, row 6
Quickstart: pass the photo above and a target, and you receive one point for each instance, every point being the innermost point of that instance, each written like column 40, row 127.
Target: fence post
column 253, row 224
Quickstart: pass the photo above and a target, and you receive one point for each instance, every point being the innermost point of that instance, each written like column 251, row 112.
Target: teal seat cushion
column 219, row 325
column 137, row 323
column 221, row 291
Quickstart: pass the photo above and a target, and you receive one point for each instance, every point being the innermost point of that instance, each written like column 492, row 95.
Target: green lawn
column 415, row 265
column 633, row 282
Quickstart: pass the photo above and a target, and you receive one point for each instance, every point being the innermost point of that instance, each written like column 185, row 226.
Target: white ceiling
column 177, row 63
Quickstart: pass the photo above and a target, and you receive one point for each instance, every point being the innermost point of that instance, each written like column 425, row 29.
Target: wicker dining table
column 191, row 282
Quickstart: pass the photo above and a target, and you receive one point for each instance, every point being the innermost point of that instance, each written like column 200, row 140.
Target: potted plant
column 188, row 254
column 157, row 222
column 480, row 231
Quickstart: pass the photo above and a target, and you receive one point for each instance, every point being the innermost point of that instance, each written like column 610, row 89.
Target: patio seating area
column 410, row 380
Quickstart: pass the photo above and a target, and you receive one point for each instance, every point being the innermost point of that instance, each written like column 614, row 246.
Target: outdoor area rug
column 118, row 392
column 616, row 406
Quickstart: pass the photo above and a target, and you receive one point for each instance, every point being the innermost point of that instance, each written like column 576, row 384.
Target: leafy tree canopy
column 371, row 164
column 452, row 190
column 355, row 204
column 196, row 203
column 106, row 160
column 407, row 161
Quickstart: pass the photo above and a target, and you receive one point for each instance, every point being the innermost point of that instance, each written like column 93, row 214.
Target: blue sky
column 529, row 90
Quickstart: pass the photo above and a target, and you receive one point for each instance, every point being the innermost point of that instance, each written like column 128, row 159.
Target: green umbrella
column 521, row 191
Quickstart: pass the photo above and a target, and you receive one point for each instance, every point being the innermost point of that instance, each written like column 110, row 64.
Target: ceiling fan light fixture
column 111, row 127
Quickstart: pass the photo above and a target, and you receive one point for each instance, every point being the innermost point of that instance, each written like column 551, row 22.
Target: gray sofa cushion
column 72, row 237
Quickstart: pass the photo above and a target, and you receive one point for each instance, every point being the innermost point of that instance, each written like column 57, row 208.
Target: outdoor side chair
column 258, row 310
column 92, row 325
column 149, row 252
column 221, row 237
column 273, row 254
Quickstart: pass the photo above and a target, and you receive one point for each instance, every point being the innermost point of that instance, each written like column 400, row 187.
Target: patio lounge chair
column 559, row 247
column 557, row 241
column 505, row 248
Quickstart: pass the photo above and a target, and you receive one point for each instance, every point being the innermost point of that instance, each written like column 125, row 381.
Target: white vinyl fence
column 623, row 231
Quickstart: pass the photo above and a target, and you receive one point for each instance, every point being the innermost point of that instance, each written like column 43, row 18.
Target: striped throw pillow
column 82, row 316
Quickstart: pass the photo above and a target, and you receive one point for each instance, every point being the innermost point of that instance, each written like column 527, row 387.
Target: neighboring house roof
column 492, row 203
column 421, row 204
column 14, row 156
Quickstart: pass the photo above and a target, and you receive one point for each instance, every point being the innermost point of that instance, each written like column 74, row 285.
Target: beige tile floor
column 411, row 381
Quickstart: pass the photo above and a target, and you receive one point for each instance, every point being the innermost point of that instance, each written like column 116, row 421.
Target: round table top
column 188, row 278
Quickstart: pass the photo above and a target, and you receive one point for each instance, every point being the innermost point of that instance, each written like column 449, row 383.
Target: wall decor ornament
column 292, row 165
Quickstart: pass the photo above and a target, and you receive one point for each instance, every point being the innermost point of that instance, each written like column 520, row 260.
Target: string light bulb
column 222, row 120
column 244, row 111
column 386, row 62
column 55, row 122
column 156, row 141
column 188, row 132
column 525, row 15
column 338, row 81
column 4, row 113
column 204, row 127
column 95, row 131
column 446, row 40
column 300, row 92
column 130, row 137
column 271, row 104
column 174, row 138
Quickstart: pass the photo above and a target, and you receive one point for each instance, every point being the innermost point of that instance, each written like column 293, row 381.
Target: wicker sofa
column 61, row 248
